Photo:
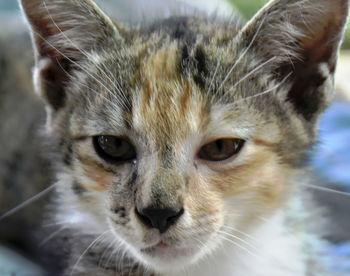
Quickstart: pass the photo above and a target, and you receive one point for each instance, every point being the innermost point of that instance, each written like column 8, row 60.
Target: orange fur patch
column 101, row 178
column 200, row 200
column 261, row 174
column 169, row 106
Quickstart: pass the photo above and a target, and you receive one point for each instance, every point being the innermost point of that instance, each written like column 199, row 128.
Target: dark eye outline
column 129, row 157
column 237, row 143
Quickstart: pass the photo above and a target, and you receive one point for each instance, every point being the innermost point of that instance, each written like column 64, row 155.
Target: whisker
column 238, row 238
column 324, row 189
column 240, row 246
column 242, row 55
column 121, row 259
column 86, row 86
column 265, row 91
column 112, row 253
column 240, row 232
column 87, row 249
column 214, row 75
column 27, row 202
column 109, row 246
column 202, row 243
column 257, row 68
column 79, row 66
column 131, row 266
column 259, row 243
column 85, row 54
column 52, row 235
column 105, row 264
column 63, row 222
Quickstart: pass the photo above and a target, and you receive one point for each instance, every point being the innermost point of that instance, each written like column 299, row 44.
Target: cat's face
column 170, row 144
column 176, row 136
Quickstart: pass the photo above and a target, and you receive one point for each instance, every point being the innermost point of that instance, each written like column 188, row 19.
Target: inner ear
column 64, row 33
column 313, row 69
column 311, row 87
column 303, row 37
column 53, row 77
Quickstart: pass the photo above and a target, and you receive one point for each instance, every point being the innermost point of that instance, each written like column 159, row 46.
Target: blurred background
column 22, row 158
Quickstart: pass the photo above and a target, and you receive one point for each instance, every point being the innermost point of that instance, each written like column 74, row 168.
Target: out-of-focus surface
column 21, row 153
column 11, row 262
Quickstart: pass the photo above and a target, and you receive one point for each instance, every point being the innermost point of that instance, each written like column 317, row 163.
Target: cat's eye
column 114, row 149
column 221, row 149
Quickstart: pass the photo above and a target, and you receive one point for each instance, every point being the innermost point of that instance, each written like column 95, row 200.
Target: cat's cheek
column 203, row 203
column 93, row 177
column 100, row 177
column 261, row 176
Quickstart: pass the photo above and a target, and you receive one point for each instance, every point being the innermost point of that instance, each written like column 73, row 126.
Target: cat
column 180, row 146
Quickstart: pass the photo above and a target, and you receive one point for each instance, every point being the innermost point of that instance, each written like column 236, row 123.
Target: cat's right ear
column 64, row 33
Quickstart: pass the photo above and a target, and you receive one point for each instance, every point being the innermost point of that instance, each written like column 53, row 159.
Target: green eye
column 221, row 149
column 114, row 149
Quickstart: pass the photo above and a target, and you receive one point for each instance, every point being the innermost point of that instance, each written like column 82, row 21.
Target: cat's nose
column 159, row 218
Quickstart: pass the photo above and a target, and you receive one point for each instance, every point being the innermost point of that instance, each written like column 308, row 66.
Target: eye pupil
column 118, row 143
column 220, row 149
column 114, row 149
column 220, row 145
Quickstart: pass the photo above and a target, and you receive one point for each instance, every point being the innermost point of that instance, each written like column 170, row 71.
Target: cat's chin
column 162, row 257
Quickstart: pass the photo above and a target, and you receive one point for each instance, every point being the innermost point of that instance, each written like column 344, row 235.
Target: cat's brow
column 214, row 75
column 254, row 70
column 267, row 91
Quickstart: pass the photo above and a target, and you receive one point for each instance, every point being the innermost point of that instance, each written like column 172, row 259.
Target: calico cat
column 180, row 146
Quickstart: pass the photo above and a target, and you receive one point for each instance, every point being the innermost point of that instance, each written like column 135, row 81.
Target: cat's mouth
column 165, row 251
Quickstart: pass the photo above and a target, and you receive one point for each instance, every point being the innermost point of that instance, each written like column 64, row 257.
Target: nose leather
column 159, row 218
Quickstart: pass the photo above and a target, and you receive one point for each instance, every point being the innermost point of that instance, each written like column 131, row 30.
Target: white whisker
column 86, row 54
column 108, row 247
column 87, row 249
column 92, row 90
column 214, row 75
column 326, row 189
column 265, row 91
column 240, row 232
column 27, row 202
column 242, row 55
column 78, row 65
column 52, row 235
column 202, row 243
column 55, row 223
column 257, row 68
column 238, row 238
column 240, row 246
column 112, row 253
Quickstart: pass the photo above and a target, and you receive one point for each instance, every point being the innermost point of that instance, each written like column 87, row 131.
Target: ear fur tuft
column 304, row 37
column 63, row 33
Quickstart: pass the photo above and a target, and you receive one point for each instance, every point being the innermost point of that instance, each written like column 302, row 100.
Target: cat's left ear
column 302, row 37
column 64, row 33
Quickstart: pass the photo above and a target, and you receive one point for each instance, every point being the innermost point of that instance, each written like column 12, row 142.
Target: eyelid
column 213, row 139
column 79, row 138
column 107, row 156
column 218, row 164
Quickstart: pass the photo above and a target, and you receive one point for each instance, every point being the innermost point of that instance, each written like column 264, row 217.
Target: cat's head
column 173, row 133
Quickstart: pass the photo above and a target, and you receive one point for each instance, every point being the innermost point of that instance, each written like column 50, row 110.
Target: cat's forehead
column 172, row 91
column 167, row 104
